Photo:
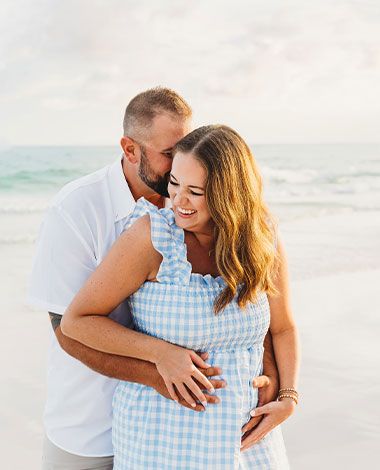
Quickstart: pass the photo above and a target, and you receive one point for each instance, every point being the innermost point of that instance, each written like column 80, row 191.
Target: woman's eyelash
column 192, row 192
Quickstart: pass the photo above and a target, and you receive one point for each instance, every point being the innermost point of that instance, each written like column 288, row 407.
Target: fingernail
column 208, row 365
column 204, row 403
column 193, row 405
column 252, row 412
column 212, row 390
column 224, row 384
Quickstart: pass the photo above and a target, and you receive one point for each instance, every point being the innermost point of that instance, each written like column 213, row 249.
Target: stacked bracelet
column 280, row 397
column 288, row 393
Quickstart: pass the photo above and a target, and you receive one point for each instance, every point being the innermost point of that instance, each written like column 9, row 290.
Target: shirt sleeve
column 63, row 261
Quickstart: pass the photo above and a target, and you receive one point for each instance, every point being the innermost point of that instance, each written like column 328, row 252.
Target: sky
column 278, row 72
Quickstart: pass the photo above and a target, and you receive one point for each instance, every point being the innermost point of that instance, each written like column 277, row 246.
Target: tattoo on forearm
column 55, row 320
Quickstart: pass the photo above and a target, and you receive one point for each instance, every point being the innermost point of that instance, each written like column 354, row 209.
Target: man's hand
column 268, row 391
column 267, row 388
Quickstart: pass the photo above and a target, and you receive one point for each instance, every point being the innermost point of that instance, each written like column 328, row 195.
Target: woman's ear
column 129, row 148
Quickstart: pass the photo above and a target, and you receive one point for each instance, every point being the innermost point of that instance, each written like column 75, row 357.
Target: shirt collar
column 122, row 199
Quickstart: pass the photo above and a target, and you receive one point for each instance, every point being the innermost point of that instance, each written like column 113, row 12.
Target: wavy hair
column 245, row 231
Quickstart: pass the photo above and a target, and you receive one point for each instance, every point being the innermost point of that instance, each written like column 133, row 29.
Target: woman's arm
column 283, row 328
column 131, row 261
column 285, row 345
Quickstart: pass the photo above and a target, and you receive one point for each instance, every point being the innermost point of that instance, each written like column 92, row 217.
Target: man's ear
column 130, row 149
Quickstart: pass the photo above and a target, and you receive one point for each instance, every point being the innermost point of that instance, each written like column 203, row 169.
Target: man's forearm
column 110, row 365
column 269, row 360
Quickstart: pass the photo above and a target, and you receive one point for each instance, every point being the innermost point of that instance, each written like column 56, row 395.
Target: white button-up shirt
column 82, row 223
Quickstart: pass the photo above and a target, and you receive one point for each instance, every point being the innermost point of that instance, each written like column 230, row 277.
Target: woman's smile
column 186, row 213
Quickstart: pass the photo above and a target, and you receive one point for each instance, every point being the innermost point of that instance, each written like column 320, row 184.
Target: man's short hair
column 144, row 107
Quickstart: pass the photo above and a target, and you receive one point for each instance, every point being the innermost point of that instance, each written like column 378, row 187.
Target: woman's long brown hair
column 245, row 232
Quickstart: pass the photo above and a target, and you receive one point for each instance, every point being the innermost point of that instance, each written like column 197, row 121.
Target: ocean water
column 300, row 181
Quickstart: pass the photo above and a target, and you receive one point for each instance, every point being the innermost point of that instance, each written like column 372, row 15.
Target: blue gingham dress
column 152, row 432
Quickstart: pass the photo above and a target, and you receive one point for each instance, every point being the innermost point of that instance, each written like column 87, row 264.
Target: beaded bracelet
column 284, row 395
column 289, row 390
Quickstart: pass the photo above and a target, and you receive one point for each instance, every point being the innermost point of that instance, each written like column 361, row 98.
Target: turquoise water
column 46, row 169
column 300, row 180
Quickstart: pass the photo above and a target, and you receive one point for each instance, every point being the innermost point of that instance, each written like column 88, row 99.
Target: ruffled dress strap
column 168, row 239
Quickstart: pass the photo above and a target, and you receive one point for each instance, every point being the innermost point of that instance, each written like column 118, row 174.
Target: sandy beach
column 335, row 267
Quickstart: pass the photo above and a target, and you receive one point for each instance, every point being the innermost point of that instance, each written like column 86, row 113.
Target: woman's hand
column 274, row 413
column 177, row 366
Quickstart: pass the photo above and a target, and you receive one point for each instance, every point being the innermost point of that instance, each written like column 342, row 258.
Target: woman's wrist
column 159, row 349
column 289, row 403
column 289, row 393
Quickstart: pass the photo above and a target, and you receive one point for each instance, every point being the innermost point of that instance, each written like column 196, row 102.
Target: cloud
column 83, row 59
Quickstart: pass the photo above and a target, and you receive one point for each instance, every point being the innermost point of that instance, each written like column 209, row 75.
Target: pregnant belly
column 239, row 367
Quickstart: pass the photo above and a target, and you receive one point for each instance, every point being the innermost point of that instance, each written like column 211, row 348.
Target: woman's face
column 187, row 193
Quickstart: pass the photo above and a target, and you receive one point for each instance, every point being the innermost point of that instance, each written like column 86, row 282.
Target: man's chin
column 162, row 192
column 160, row 187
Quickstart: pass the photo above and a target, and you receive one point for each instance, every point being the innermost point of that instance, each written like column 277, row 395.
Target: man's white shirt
column 82, row 223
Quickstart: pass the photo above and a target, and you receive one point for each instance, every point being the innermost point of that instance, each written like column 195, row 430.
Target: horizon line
column 2, row 146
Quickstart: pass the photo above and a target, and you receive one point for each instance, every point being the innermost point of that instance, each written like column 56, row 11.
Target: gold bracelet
column 288, row 390
column 284, row 395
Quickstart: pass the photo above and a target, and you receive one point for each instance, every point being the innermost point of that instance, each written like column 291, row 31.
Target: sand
column 334, row 293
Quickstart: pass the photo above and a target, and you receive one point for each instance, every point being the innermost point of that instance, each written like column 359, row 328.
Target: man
column 84, row 220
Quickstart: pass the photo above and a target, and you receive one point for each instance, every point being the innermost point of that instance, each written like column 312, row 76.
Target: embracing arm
column 269, row 360
column 128, row 368
column 131, row 261
column 110, row 365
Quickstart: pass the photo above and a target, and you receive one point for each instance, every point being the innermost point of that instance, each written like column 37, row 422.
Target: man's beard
column 158, row 183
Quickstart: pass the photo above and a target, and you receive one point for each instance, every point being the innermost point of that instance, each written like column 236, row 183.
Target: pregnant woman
column 209, row 274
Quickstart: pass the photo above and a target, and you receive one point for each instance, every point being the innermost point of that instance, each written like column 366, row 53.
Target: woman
column 207, row 274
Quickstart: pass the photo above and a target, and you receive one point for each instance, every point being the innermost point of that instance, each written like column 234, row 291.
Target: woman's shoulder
column 138, row 233
column 163, row 217
column 137, row 239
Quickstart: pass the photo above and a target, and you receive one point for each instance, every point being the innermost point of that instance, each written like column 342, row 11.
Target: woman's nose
column 179, row 198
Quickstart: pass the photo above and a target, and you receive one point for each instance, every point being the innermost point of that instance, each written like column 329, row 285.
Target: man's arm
column 110, row 365
column 267, row 384
column 270, row 364
column 125, row 368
